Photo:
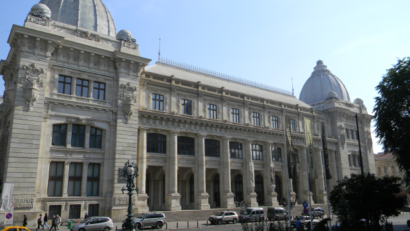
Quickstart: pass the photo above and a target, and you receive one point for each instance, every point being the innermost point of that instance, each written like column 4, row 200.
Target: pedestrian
column 86, row 216
column 283, row 201
column 40, row 221
column 298, row 224
column 24, row 220
column 53, row 223
column 45, row 221
column 59, row 222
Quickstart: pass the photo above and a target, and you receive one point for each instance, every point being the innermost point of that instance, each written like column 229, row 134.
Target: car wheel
column 159, row 225
column 81, row 230
column 139, row 226
column 107, row 229
column 220, row 222
column 234, row 221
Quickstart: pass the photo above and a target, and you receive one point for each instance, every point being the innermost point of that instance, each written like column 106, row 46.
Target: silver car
column 156, row 220
column 94, row 224
column 224, row 217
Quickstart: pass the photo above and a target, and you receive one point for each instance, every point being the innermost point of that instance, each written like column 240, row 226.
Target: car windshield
column 86, row 220
column 219, row 214
column 141, row 216
column 246, row 212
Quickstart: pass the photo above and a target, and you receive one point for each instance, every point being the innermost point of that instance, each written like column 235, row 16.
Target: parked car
column 305, row 220
column 277, row 213
column 252, row 214
column 15, row 228
column 94, row 223
column 156, row 220
column 224, row 217
column 316, row 212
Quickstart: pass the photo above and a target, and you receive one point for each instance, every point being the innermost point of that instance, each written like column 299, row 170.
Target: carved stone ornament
column 272, row 175
column 23, row 201
column 252, row 175
column 87, row 35
column 128, row 100
column 32, row 82
column 123, row 200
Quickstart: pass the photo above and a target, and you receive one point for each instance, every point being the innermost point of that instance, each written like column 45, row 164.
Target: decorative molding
column 123, row 200
column 87, row 35
column 128, row 98
column 32, row 82
column 23, row 201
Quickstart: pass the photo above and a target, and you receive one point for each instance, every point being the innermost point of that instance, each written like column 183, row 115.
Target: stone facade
column 79, row 104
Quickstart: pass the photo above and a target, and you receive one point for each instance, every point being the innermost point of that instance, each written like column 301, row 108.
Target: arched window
column 239, row 188
column 156, row 143
column 186, row 145
column 191, row 189
column 212, row 148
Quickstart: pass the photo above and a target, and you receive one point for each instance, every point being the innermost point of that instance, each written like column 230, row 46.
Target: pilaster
column 320, row 183
column 142, row 198
column 201, row 194
column 173, row 197
column 249, row 176
column 269, row 179
column 227, row 200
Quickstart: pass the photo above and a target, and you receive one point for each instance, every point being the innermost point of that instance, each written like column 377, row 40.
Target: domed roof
column 320, row 84
column 88, row 14
column 40, row 10
column 125, row 35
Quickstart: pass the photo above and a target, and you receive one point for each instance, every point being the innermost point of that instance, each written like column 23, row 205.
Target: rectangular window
column 99, row 91
column 64, row 85
column 392, row 170
column 186, row 107
column 236, row 150
column 257, row 153
column 186, row 145
column 74, row 179
column 255, row 119
column 235, row 115
column 95, row 138
column 55, row 179
column 292, row 124
column 277, row 154
column 53, row 210
column 347, row 134
column 157, row 102
column 93, row 210
column 379, row 171
column 93, row 179
column 156, row 143
column 275, row 122
column 78, row 136
column 82, row 88
column 75, row 212
column 352, row 134
column 385, row 170
column 212, row 148
column 212, row 110
column 354, row 160
column 59, row 134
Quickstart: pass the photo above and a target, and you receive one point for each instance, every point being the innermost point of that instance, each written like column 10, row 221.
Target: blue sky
column 265, row 41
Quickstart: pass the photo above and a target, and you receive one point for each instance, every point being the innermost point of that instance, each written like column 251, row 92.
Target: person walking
column 40, row 221
column 53, row 223
column 58, row 218
column 24, row 220
column 45, row 221
column 298, row 224
column 86, row 216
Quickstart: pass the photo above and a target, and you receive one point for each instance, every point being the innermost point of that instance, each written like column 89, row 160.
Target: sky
column 265, row 41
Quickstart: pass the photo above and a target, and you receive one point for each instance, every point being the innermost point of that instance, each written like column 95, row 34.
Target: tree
column 392, row 114
column 360, row 197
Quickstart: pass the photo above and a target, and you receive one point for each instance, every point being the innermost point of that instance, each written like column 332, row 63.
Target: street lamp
column 130, row 171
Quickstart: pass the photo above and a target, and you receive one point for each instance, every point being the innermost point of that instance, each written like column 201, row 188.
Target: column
column 227, row 200
column 65, row 181
column 320, row 183
column 248, row 189
column 84, row 180
column 173, row 197
column 142, row 197
column 73, row 85
column 304, row 177
column 269, row 177
column 200, row 181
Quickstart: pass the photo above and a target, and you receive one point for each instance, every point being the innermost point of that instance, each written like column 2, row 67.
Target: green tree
column 368, row 197
column 392, row 114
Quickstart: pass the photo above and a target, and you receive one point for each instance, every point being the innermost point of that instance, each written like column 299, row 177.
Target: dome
column 125, row 35
column 322, row 83
column 332, row 95
column 40, row 10
column 87, row 14
column 359, row 102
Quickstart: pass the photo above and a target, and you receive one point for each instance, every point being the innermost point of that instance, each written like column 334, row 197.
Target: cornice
column 79, row 104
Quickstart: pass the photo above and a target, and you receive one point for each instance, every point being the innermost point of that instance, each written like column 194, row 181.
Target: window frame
column 94, row 144
column 187, row 147
column 292, row 125
column 352, row 134
column 62, row 136
column 156, row 143
column 235, row 150
column 75, row 179
column 92, row 179
column 235, row 115
column 185, row 105
column 212, row 148
column 65, row 84
column 99, row 89
column 277, row 153
column 212, row 111
column 256, row 119
column 275, row 122
column 82, row 87
column 157, row 102
column 55, row 178
column 78, row 136
column 257, row 152
column 347, row 134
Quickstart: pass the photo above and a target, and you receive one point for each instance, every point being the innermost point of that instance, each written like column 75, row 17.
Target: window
column 59, row 134
column 157, row 102
column 156, row 143
column 350, row 161
column 211, row 148
column 277, row 154
column 95, row 137
column 74, row 180
column 186, row 145
column 255, row 119
column 55, row 179
column 351, row 134
column 392, row 170
column 379, row 171
column 93, row 210
column 212, row 111
column 292, row 124
column 93, row 179
column 236, row 150
column 64, row 85
column 347, row 133
column 53, row 210
column 385, row 170
column 275, row 122
column 99, row 91
column 354, row 160
column 191, row 189
column 186, row 107
column 235, row 115
column 257, row 153
column 75, row 212
column 296, row 153
column 82, row 88
column 78, row 136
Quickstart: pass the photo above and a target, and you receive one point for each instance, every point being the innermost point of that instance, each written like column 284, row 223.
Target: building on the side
column 386, row 166
column 80, row 101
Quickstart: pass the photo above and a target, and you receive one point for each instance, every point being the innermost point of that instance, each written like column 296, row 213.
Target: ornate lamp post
column 130, row 171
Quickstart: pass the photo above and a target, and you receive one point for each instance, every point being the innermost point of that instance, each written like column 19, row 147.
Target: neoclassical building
column 80, row 101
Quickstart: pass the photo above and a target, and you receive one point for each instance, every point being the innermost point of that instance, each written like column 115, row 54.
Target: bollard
column 177, row 225
column 197, row 224
column 206, row 222
column 116, row 228
column 166, row 225
column 187, row 224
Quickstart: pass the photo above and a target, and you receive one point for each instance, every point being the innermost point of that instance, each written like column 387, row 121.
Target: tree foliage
column 392, row 114
column 360, row 197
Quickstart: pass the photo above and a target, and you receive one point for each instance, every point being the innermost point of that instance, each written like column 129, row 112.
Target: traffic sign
column 305, row 204
column 305, row 211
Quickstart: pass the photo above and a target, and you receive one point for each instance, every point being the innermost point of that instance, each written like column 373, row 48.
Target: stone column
column 303, row 177
column 248, row 190
column 270, row 194
column 173, row 197
column 320, row 183
column 84, row 180
column 227, row 195
column 142, row 198
column 65, row 177
column 201, row 194
column 73, row 85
